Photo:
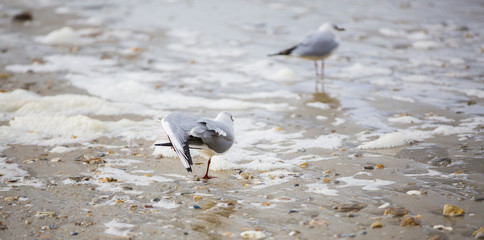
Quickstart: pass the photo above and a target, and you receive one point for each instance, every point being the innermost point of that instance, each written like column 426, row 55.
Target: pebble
column 396, row 211
column 441, row 161
column 10, row 198
column 196, row 207
column 349, row 207
column 347, row 235
column 479, row 233
column 442, row 227
column 294, row 233
column 293, row 211
column 56, row 160
column 376, row 225
column 368, row 167
column 414, row 192
column 74, row 233
column 22, row 17
column 410, row 221
column 251, row 234
column 197, row 198
column 452, row 210
column 101, row 154
column 156, row 199
column 385, row 205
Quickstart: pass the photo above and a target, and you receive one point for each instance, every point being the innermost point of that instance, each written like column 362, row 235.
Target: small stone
column 479, row 233
column 440, row 161
column 385, row 205
column 74, row 233
column 56, row 160
column 22, row 17
column 347, row 235
column 349, row 207
column 10, row 198
column 293, row 211
column 368, row 167
column 376, row 225
column 396, row 211
column 196, row 207
column 101, row 154
column 294, row 233
column 442, row 227
column 304, row 165
column 410, row 221
column 197, row 198
column 379, row 166
column 414, row 192
column 156, row 199
column 46, row 214
column 251, row 234
column 452, row 211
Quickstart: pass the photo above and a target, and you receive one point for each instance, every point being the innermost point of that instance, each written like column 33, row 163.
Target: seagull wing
column 178, row 137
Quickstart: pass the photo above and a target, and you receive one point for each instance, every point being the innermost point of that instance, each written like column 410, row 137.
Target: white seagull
column 210, row 137
column 316, row 46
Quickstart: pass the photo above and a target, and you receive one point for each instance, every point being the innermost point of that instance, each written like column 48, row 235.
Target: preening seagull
column 316, row 46
column 210, row 137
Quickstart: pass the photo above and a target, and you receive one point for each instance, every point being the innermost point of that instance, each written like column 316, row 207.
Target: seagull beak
column 339, row 28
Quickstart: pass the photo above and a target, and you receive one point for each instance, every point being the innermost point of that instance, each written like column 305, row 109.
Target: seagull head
column 225, row 117
column 330, row 27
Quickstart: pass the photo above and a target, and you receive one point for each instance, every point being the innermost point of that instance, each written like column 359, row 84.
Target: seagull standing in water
column 210, row 137
column 316, row 46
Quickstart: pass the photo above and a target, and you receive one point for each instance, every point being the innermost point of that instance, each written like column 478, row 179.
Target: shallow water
column 404, row 88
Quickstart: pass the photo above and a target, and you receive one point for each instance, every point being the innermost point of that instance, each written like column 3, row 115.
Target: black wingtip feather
column 163, row 144
column 284, row 52
column 189, row 169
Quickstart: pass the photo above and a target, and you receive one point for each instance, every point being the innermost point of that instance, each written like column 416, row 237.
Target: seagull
column 210, row 137
column 316, row 46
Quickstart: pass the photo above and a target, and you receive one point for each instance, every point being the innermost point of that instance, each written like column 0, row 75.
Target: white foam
column 321, row 188
column 426, row 44
column 404, row 120
column 474, row 93
column 366, row 184
column 70, row 63
column 395, row 139
column 338, row 121
column 330, row 141
column 206, row 51
column 166, row 204
column 61, row 149
column 24, row 103
column 117, row 228
column 64, row 35
column 269, row 70
column 319, row 105
column 359, row 70
column 403, row 99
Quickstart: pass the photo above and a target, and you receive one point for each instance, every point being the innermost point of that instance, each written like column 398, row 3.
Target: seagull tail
column 284, row 52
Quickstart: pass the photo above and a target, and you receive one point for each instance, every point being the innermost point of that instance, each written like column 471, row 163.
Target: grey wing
column 317, row 45
column 177, row 127
column 217, row 136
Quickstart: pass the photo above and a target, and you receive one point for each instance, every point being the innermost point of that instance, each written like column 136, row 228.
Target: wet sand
column 113, row 188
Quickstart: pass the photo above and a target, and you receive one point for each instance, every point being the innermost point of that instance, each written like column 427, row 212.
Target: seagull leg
column 317, row 75
column 322, row 75
column 206, row 173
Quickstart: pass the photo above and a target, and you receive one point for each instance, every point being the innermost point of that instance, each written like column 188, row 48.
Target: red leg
column 206, row 173
column 322, row 75
column 316, row 68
